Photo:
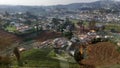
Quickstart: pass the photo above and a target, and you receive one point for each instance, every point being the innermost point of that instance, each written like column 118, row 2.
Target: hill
column 106, row 4
column 102, row 54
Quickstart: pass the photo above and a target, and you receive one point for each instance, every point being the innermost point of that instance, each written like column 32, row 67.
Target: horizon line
column 51, row 5
column 42, row 5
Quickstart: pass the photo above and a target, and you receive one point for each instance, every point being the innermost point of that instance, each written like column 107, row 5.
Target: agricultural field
column 45, row 35
column 102, row 55
column 43, row 58
column 11, row 28
column 114, row 26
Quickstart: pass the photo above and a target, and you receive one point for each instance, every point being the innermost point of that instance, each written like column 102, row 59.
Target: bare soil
column 45, row 35
column 100, row 54
column 7, row 39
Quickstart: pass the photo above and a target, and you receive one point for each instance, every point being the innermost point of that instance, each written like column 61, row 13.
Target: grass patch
column 43, row 58
column 113, row 26
column 11, row 28
column 39, row 58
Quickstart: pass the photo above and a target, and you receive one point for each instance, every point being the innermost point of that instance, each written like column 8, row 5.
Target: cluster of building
column 81, row 34
column 86, row 15
column 98, row 16
column 21, row 21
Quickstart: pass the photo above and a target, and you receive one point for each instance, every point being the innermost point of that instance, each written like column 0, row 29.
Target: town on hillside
column 78, row 35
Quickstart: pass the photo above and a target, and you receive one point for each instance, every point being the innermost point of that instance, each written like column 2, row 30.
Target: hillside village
column 61, row 38
column 62, row 35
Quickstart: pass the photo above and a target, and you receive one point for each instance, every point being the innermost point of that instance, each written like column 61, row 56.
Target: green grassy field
column 43, row 58
column 113, row 26
column 11, row 28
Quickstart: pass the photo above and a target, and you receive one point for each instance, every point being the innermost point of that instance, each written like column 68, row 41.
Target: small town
column 76, row 35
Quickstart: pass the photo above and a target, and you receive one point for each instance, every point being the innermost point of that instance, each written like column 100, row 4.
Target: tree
column 67, row 22
column 92, row 25
column 55, row 21
column 17, row 54
column 37, row 28
column 80, row 23
column 68, row 25
column 68, row 34
column 81, row 26
column 6, row 13
column 28, row 22
column 78, row 56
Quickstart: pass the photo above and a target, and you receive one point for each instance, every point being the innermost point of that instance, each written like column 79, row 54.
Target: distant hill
column 106, row 4
column 14, row 9
column 93, row 5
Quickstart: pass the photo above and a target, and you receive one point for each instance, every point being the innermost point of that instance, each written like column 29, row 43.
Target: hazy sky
column 40, row 2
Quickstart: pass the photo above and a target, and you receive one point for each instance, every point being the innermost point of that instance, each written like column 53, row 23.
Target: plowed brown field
column 7, row 39
column 45, row 35
column 100, row 54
